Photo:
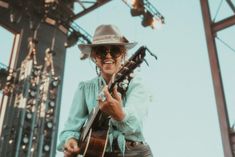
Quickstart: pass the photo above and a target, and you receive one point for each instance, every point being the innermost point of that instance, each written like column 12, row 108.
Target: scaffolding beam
column 210, row 32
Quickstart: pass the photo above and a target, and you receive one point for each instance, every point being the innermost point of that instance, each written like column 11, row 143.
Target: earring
column 97, row 70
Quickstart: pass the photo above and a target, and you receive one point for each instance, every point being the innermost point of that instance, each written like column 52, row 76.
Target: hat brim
column 86, row 48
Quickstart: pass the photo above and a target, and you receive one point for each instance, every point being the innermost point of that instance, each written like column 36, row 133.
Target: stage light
column 46, row 147
column 23, row 147
column 49, row 125
column 25, row 139
column 148, row 19
column 137, row 8
column 72, row 39
column 51, row 103
column 29, row 115
column 55, row 82
column 10, row 141
column 32, row 149
column 32, row 93
column 137, row 12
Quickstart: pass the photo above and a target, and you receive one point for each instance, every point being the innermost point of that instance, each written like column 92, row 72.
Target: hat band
column 108, row 39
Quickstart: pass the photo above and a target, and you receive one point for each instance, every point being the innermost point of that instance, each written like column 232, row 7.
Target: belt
column 133, row 149
column 129, row 143
column 133, row 143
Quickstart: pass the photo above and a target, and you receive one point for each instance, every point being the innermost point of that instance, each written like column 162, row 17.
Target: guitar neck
column 135, row 60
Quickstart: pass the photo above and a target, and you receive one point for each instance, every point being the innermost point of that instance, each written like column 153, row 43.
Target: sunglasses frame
column 113, row 50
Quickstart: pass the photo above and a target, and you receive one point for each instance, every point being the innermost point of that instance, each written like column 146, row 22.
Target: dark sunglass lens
column 115, row 51
column 100, row 51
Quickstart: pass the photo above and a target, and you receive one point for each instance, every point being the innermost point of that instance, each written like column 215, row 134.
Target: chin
column 109, row 72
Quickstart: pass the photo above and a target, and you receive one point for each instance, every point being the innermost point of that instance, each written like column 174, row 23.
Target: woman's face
column 108, row 59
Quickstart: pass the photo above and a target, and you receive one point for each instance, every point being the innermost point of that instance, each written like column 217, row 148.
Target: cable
column 227, row 45
column 218, row 9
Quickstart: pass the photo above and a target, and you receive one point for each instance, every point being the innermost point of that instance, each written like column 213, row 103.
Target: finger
column 116, row 94
column 67, row 153
column 74, row 146
column 107, row 94
column 71, row 146
column 101, row 97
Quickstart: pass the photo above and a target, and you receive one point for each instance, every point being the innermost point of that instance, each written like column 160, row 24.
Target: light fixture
column 29, row 115
column 148, row 19
column 23, row 147
column 25, row 139
column 137, row 8
column 49, row 124
column 144, row 9
column 55, row 82
column 10, row 141
column 32, row 93
column 46, row 147
column 52, row 103
column 72, row 39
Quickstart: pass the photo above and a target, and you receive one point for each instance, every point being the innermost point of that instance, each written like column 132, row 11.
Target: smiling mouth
column 108, row 62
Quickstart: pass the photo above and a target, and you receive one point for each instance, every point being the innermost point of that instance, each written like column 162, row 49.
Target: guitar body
column 95, row 143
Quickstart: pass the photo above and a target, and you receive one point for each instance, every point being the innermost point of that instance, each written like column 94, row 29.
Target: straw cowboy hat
column 106, row 35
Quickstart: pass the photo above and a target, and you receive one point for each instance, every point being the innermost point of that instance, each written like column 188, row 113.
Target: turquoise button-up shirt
column 135, row 106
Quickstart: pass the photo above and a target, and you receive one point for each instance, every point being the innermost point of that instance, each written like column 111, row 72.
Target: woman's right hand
column 71, row 148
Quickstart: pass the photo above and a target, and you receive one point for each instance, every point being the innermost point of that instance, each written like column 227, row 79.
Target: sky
column 182, row 119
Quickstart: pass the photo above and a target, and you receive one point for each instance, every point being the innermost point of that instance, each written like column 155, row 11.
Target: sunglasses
column 102, row 51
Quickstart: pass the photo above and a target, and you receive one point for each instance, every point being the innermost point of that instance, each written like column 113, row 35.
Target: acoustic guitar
column 94, row 133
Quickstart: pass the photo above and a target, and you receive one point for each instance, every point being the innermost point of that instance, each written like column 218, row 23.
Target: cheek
column 98, row 62
column 119, row 61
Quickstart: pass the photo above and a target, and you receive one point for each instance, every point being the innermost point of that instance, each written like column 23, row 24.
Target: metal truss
column 211, row 29
column 85, row 7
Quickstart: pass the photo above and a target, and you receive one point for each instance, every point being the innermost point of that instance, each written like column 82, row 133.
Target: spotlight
column 55, row 82
column 29, row 115
column 72, row 39
column 25, row 139
column 32, row 93
column 46, row 147
column 137, row 12
column 23, row 147
column 137, row 8
column 147, row 19
column 49, row 125
column 52, row 103
column 10, row 141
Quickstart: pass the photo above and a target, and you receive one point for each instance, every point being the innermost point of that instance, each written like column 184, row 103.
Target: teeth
column 108, row 62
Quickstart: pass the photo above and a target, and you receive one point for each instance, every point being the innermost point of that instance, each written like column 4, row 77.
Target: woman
column 126, row 111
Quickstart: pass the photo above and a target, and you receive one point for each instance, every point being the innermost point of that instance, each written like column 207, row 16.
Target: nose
column 108, row 55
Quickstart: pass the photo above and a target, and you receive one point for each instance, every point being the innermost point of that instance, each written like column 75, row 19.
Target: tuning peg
column 132, row 75
column 124, row 84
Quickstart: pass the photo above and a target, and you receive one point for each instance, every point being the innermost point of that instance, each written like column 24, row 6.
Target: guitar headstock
column 129, row 66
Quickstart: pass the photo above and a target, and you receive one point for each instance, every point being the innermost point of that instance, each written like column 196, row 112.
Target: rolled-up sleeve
column 135, row 108
column 77, row 116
